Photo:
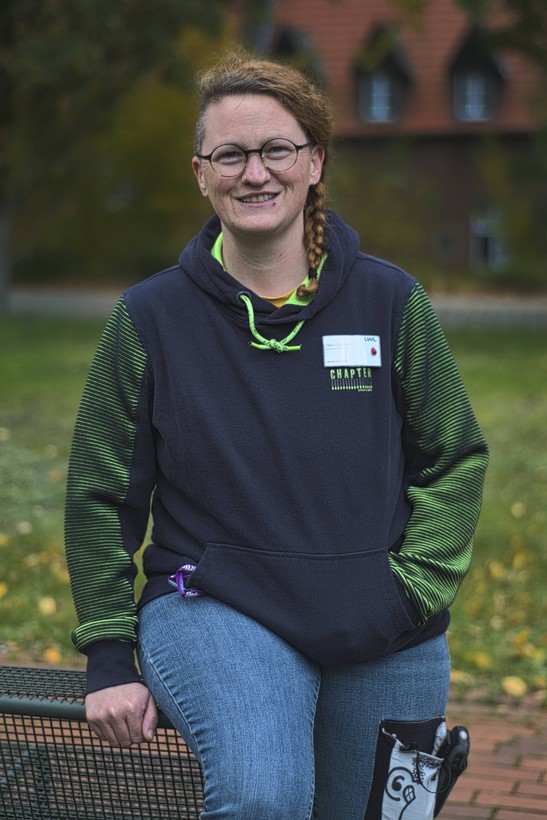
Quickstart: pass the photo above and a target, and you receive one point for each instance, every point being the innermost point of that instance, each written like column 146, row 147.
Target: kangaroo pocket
column 344, row 608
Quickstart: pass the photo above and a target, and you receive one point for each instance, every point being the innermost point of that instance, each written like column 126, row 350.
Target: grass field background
column 497, row 636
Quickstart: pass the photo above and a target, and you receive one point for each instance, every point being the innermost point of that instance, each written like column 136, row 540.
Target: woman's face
column 257, row 201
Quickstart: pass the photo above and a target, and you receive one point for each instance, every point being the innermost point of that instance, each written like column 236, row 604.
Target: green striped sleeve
column 102, row 525
column 447, row 457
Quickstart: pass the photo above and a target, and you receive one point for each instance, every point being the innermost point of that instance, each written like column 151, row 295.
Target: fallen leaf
column 496, row 570
column 52, row 655
column 522, row 636
column 520, row 560
column 482, row 660
column 47, row 605
column 514, row 686
column 518, row 510
column 458, row 676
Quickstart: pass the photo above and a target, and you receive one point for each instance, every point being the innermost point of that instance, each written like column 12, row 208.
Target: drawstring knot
column 262, row 343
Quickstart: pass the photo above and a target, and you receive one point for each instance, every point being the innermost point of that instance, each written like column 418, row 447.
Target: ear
column 317, row 159
column 198, row 172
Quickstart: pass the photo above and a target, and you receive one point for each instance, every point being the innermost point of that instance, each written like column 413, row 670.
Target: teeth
column 257, row 198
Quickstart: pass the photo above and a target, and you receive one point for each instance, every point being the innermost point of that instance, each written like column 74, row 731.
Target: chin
column 262, row 224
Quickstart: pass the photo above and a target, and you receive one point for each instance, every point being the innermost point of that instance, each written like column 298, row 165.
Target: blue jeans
column 278, row 737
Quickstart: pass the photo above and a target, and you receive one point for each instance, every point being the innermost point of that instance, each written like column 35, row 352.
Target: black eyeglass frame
column 247, row 151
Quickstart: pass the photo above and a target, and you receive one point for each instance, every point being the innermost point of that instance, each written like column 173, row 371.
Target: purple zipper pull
column 178, row 580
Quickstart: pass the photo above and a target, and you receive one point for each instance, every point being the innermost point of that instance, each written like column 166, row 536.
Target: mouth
column 255, row 199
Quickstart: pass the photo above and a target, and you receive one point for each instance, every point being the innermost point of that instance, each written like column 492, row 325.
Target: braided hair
column 240, row 72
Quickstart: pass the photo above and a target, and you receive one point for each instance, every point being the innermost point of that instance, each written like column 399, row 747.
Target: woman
column 290, row 406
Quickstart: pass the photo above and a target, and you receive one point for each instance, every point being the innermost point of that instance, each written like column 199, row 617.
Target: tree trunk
column 5, row 257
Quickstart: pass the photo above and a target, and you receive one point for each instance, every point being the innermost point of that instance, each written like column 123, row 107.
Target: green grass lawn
column 497, row 636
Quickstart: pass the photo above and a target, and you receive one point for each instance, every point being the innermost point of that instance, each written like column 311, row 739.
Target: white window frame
column 473, row 96
column 377, row 97
column 488, row 248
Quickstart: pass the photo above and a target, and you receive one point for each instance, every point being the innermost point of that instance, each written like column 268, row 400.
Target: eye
column 228, row 155
column 277, row 149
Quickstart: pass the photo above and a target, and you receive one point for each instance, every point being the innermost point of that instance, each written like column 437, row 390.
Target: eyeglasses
column 276, row 154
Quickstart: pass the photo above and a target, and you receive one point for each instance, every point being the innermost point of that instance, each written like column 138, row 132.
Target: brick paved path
column 506, row 778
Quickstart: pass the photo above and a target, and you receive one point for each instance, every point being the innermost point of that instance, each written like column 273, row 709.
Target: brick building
column 434, row 128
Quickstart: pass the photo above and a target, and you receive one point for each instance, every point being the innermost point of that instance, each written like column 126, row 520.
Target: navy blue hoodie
column 330, row 491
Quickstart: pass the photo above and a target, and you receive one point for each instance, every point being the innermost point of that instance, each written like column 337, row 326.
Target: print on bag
column 416, row 766
column 411, row 786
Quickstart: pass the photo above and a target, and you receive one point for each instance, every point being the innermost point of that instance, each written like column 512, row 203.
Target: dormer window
column 383, row 76
column 473, row 96
column 477, row 79
column 379, row 97
column 297, row 47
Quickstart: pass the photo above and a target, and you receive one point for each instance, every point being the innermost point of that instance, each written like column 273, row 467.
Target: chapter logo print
column 351, row 378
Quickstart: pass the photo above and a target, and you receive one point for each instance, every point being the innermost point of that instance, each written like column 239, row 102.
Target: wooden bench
column 52, row 767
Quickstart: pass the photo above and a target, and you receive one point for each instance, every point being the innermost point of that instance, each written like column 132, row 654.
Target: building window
column 488, row 248
column 474, row 96
column 477, row 79
column 379, row 97
column 383, row 76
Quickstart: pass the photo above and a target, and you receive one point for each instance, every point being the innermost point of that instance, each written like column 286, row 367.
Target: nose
column 255, row 171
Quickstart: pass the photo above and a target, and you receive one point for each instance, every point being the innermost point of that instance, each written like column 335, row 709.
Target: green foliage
column 65, row 66
column 388, row 199
column 127, row 202
column 130, row 203
column 516, row 186
column 382, row 44
column 527, row 30
column 523, row 29
column 498, row 627
column 476, row 9
column 396, row 205
column 497, row 635
column 412, row 9
column 64, row 69
column 43, row 368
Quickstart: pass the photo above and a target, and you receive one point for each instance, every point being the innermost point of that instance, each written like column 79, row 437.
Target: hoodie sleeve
column 446, row 458
column 111, row 477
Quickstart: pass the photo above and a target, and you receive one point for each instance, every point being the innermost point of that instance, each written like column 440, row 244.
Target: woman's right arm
column 111, row 478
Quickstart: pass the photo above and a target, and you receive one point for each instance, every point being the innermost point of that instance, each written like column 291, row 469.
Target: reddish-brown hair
column 241, row 73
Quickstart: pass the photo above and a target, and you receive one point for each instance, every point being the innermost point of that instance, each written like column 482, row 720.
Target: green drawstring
column 268, row 344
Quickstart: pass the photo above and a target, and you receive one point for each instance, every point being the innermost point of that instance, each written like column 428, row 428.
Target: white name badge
column 352, row 351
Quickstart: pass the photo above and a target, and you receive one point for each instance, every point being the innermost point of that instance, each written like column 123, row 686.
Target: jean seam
column 173, row 700
column 312, row 739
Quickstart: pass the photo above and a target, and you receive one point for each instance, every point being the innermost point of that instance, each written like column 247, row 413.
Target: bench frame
column 52, row 767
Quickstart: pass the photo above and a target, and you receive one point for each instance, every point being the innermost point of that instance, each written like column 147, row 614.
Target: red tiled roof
column 339, row 30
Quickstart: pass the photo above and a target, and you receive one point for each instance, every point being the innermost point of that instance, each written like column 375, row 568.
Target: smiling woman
column 290, row 409
column 260, row 193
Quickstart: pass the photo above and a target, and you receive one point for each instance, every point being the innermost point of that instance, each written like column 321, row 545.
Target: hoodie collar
column 197, row 262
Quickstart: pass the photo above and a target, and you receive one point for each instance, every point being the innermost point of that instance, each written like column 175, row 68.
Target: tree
column 523, row 29
column 130, row 201
column 64, row 66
